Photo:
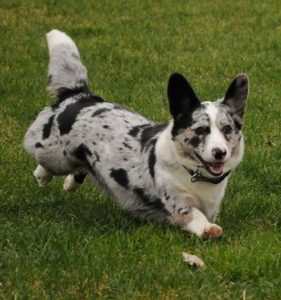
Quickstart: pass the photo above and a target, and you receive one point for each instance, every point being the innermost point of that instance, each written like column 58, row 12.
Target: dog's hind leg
column 73, row 181
column 42, row 176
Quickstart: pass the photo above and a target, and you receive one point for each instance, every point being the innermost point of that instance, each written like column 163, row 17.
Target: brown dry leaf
column 193, row 260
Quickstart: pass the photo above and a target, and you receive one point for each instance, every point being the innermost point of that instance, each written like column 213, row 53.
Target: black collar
column 197, row 176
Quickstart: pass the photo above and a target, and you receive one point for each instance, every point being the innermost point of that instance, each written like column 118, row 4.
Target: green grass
column 82, row 246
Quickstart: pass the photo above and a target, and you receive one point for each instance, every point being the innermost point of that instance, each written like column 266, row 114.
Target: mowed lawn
column 55, row 245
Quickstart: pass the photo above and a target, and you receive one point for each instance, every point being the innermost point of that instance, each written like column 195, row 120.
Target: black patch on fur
column 194, row 142
column 149, row 132
column 106, row 127
column 120, row 176
column 167, row 197
column 67, row 118
column 81, row 152
column 38, row 145
column 65, row 93
column 135, row 130
column 47, row 128
column 237, row 125
column 100, row 111
column 182, row 123
column 97, row 156
column 79, row 178
column 154, row 203
column 117, row 107
column 127, row 145
column 185, row 210
column 152, row 160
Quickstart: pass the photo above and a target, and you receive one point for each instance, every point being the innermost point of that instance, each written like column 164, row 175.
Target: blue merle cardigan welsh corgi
column 175, row 172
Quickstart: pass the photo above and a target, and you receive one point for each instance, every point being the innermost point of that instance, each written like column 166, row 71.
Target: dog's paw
column 70, row 184
column 42, row 176
column 213, row 231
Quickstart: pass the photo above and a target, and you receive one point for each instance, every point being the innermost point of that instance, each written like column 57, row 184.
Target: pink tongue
column 216, row 169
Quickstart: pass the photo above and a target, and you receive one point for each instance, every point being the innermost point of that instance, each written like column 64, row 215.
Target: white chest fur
column 205, row 196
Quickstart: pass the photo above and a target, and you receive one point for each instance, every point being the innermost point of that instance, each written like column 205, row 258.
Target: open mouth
column 215, row 169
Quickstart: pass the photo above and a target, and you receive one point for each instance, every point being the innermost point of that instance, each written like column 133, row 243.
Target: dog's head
column 208, row 133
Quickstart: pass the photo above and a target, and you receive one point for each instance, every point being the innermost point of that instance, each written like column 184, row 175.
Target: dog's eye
column 227, row 129
column 202, row 130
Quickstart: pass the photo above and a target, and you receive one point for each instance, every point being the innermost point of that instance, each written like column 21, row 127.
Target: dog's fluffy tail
column 66, row 72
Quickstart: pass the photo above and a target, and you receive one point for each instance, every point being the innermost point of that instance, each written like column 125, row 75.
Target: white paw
column 70, row 184
column 202, row 227
column 42, row 176
column 212, row 231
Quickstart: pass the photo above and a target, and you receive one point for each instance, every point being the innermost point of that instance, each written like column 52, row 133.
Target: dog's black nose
column 218, row 153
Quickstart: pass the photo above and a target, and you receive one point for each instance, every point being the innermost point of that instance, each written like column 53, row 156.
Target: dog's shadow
column 87, row 209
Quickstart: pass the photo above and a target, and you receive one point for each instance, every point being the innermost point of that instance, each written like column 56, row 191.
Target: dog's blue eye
column 227, row 129
column 202, row 130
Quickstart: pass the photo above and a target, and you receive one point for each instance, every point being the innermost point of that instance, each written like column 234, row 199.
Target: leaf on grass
column 193, row 260
column 270, row 143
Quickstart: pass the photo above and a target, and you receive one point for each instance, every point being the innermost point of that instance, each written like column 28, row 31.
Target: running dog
column 175, row 172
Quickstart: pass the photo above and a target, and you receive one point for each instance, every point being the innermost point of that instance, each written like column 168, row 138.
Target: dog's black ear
column 182, row 99
column 236, row 95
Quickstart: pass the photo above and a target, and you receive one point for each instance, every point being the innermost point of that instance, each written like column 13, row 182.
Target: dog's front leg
column 194, row 221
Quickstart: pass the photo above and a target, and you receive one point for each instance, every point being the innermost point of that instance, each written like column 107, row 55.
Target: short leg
column 193, row 220
column 42, row 176
column 73, row 181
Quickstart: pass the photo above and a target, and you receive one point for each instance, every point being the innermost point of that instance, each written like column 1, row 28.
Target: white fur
column 65, row 68
column 215, row 139
column 56, row 39
column 70, row 184
column 42, row 176
column 199, row 223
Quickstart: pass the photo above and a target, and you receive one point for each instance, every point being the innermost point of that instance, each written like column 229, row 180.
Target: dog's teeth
column 217, row 169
